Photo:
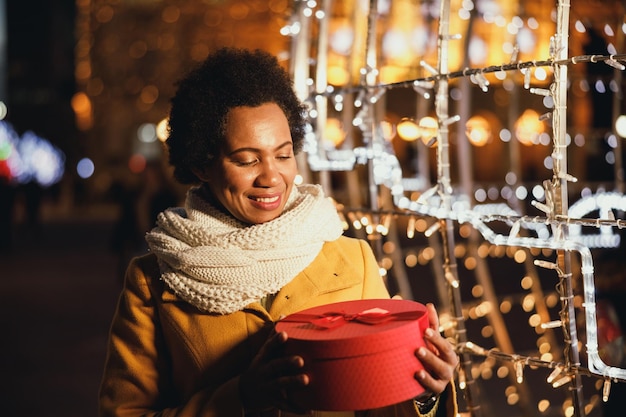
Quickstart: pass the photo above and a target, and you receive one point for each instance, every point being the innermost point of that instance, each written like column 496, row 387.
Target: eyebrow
column 257, row 150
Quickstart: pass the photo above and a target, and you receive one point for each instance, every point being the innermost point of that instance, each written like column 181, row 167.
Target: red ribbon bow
column 332, row 319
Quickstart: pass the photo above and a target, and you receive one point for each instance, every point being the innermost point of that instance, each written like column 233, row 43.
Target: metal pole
column 321, row 82
column 558, row 188
column 445, row 189
column 618, row 96
column 299, row 68
column 369, row 79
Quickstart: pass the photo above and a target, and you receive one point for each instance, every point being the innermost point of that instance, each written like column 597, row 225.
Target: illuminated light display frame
column 439, row 202
column 604, row 204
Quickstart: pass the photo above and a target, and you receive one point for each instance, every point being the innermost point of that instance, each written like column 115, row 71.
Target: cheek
column 237, row 180
column 222, row 181
column 291, row 172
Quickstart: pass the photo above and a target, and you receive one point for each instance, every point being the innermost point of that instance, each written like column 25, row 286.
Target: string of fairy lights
column 558, row 231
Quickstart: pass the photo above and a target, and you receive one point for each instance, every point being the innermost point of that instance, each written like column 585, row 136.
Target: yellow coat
column 166, row 358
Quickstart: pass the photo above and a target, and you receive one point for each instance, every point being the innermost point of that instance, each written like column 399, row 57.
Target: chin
column 266, row 217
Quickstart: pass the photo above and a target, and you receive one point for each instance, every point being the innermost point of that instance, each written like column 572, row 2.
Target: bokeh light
column 29, row 158
column 85, row 168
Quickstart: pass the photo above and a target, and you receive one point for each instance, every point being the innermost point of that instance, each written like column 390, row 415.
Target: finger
column 288, row 366
column 271, row 347
column 259, row 383
column 281, row 387
column 429, row 383
column 433, row 364
column 433, row 317
column 438, row 368
column 278, row 339
column 285, row 400
column 436, row 374
column 275, row 391
column 441, row 347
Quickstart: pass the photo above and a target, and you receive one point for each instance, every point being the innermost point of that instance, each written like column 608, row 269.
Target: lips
column 266, row 202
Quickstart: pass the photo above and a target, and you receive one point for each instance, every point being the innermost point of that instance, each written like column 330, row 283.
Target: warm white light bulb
column 620, row 125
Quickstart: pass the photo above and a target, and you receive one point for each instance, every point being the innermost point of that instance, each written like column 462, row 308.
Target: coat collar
column 324, row 275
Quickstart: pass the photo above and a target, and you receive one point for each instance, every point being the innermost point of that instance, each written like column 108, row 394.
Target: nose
column 269, row 174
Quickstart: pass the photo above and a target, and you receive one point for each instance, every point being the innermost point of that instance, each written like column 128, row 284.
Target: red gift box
column 359, row 355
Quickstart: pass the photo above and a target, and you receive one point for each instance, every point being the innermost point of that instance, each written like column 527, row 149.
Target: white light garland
column 555, row 230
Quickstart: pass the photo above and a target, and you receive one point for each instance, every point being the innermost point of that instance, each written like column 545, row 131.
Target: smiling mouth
column 266, row 199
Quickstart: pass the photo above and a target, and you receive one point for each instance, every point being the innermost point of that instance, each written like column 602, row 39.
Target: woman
column 193, row 331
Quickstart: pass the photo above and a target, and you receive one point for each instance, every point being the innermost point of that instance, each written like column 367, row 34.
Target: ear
column 202, row 174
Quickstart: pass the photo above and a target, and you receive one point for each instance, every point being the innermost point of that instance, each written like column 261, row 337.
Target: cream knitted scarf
column 220, row 265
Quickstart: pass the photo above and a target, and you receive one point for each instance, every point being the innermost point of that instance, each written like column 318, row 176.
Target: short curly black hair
column 229, row 77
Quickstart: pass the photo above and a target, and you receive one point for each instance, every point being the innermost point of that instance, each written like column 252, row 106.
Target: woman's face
column 254, row 173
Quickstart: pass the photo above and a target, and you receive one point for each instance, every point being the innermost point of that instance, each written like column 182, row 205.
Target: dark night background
column 40, row 69
column 58, row 283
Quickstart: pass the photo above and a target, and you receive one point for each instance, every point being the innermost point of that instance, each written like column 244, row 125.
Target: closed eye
column 246, row 163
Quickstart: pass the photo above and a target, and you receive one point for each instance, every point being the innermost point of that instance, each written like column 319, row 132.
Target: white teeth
column 267, row 200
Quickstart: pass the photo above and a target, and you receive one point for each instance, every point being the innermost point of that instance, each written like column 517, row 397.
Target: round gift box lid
column 358, row 354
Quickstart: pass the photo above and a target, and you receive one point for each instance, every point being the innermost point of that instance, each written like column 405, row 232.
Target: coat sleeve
column 137, row 372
